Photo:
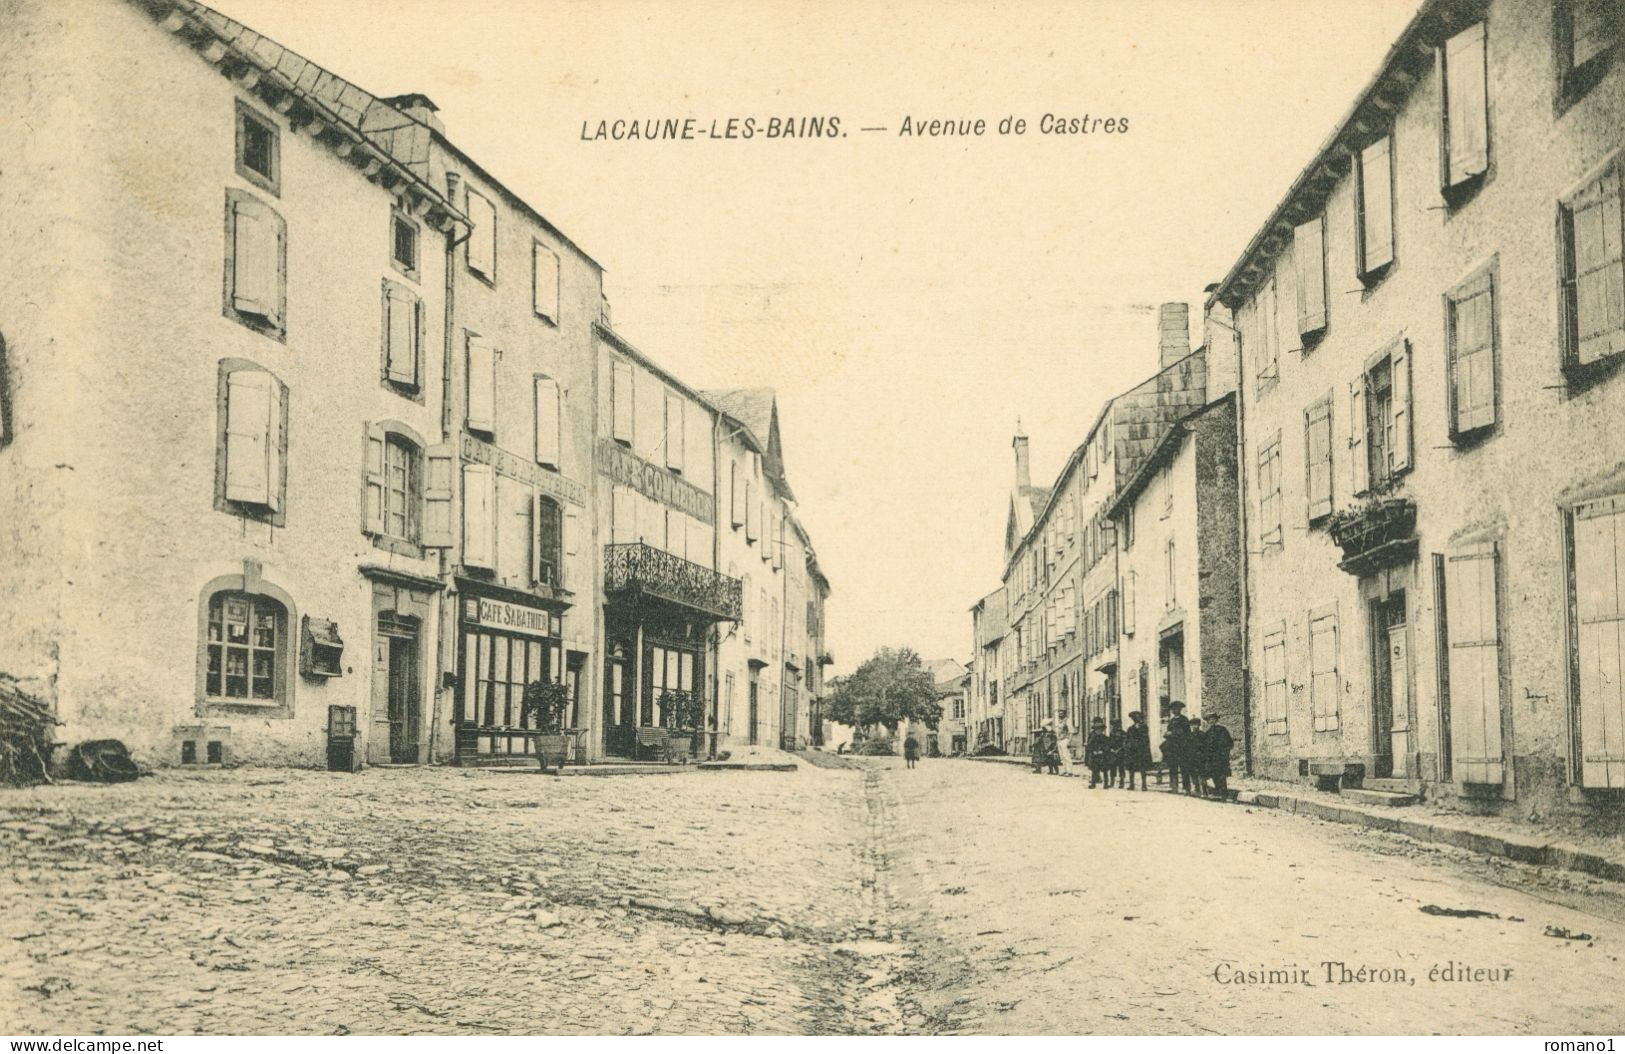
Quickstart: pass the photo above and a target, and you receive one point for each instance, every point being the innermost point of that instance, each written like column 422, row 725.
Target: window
column 544, row 282
column 1470, row 343
column 1130, row 580
column 674, row 432
column 479, row 516
column 256, row 287
column 1464, row 122
column 1324, row 683
column 621, row 396
column 258, row 150
column 549, row 421
column 403, row 244
column 1374, row 208
column 548, row 562
column 1309, row 261
column 1597, row 584
column 1474, row 673
column 482, row 386
column 1380, row 420
column 1586, row 40
column 482, row 240
column 1269, row 494
column 1593, row 272
column 403, row 338
column 251, row 478
column 1275, row 681
column 394, row 487
column 1170, row 575
column 246, row 649
column 736, row 507
column 1266, row 323
column 1317, row 445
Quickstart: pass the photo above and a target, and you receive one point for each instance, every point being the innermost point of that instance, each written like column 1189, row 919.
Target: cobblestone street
column 429, row 900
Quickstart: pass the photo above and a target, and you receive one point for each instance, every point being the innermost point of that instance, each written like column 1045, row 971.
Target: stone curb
column 747, row 766
column 1443, row 832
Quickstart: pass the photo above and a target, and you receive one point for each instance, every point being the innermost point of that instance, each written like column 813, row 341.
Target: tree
column 888, row 688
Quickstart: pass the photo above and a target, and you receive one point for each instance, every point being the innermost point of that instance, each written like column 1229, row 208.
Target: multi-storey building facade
column 985, row 698
column 1432, row 334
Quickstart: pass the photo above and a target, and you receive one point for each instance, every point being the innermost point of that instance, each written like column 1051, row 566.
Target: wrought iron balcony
column 646, row 571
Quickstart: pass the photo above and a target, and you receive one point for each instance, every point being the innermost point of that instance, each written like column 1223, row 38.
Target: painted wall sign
column 626, row 468
column 515, row 466
column 514, row 618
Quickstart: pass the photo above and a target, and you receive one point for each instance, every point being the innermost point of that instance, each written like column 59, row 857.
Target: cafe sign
column 511, row 618
column 626, row 468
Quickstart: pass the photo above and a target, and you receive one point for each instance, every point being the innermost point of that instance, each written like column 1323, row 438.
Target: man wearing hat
column 1216, row 746
column 1176, row 748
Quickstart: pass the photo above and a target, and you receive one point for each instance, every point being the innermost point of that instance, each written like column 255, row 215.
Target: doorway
column 755, row 706
column 619, row 721
column 399, row 637
column 787, row 720
column 1391, row 680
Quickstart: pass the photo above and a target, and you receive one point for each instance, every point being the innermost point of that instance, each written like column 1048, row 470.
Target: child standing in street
column 1097, row 753
column 1137, row 748
column 1115, row 742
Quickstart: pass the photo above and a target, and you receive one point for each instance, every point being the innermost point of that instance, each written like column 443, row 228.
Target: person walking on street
column 1097, row 754
column 1218, row 743
column 1063, row 750
column 1136, row 748
column 1176, row 747
column 911, row 751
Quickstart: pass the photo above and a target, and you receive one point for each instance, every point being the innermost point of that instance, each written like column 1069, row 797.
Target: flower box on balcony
column 1375, row 535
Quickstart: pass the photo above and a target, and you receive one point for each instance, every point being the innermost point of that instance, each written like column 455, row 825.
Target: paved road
column 956, row 897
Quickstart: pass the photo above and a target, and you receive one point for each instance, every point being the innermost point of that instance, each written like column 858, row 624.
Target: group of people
column 1197, row 757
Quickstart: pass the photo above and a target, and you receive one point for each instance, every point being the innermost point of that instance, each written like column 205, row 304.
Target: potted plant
column 545, row 703
column 681, row 711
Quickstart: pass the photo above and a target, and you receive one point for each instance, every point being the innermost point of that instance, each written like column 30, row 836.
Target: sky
column 909, row 298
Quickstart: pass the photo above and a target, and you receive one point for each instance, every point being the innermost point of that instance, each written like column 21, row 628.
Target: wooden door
column 1599, row 640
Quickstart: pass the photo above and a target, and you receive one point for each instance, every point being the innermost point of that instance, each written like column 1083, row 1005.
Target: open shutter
column 479, row 519
column 482, row 240
column 572, row 531
column 1472, row 357
column 1309, row 253
column 1318, row 445
column 1324, row 680
column 275, row 444
column 1599, row 588
column 1359, row 466
column 624, row 529
column 1466, row 105
column 401, row 358
column 1475, row 664
column 750, row 513
column 1129, row 584
column 373, row 482
column 676, row 431
column 482, row 385
column 1400, row 406
column 439, row 520
column 778, row 543
column 736, row 508
column 1376, row 205
column 548, row 422
column 544, row 281
column 621, row 400
column 257, row 259
column 1596, row 273
column 248, row 436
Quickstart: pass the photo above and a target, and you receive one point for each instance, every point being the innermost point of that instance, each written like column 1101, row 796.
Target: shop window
column 258, row 149
column 256, row 286
column 1586, row 39
column 246, row 649
column 1593, row 273
column 252, row 442
column 403, row 244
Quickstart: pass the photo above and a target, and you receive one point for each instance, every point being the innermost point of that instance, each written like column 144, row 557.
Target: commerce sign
column 626, row 468
column 514, row 618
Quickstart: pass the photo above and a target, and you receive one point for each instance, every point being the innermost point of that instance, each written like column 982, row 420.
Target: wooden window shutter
column 1275, row 714
column 621, row 396
column 1465, row 125
column 624, row 530
column 1472, row 356
column 1324, row 679
column 1599, row 604
column 548, row 421
column 257, row 259
column 479, row 516
column 675, row 432
column 1129, row 584
column 1400, row 407
column 482, row 240
column 439, row 516
column 736, row 508
column 401, row 332
column 1595, row 271
column 482, row 385
column 1376, row 205
column 544, row 281
column 1359, row 466
column 250, row 436
column 572, row 531
column 1318, row 448
column 276, row 442
column 1473, row 624
column 548, row 534
column 1309, row 254
column 373, row 480
column 750, row 512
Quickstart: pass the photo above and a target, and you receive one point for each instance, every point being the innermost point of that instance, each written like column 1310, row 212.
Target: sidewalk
column 1491, row 835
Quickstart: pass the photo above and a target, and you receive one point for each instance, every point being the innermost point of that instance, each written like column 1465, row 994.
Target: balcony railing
column 647, row 571
column 1378, row 534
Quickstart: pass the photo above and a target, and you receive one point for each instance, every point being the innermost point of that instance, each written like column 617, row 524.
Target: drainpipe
column 448, row 598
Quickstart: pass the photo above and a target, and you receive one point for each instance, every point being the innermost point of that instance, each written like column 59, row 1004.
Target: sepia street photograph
column 701, row 518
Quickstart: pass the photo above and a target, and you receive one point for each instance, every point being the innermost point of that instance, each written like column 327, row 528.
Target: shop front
column 504, row 642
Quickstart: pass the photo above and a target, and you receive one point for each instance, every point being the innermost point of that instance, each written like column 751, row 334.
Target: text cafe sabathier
column 503, row 645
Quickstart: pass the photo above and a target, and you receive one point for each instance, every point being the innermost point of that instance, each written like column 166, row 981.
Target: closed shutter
column 1472, row 356
column 1475, row 663
column 1599, row 588
column 572, row 531
column 482, row 240
column 675, row 432
column 1324, row 682
column 621, row 396
column 736, row 510
column 249, row 436
column 767, row 534
column 544, row 281
column 778, row 544
column 373, row 480
column 1128, row 603
column 1376, row 206
column 750, row 513
column 479, row 516
column 439, row 519
column 548, row 422
column 482, row 385
column 1400, row 407
column 1309, row 253
column 624, row 529
column 1275, row 680
column 1466, row 105
column 1359, row 466
column 401, row 353
column 1595, row 272
column 256, row 287
column 1317, row 425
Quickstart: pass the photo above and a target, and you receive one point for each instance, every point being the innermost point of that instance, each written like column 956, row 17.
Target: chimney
column 1173, row 334
column 1023, row 469
column 420, row 108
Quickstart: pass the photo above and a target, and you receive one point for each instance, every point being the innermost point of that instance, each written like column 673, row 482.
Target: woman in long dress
column 1063, row 750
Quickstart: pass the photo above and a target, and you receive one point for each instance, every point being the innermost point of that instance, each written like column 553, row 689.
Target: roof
column 994, row 623
column 946, row 673
column 1037, row 497
column 1408, row 60
column 757, row 411
column 1160, row 454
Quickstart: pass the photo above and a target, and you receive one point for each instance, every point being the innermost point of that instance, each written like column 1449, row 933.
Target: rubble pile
column 25, row 735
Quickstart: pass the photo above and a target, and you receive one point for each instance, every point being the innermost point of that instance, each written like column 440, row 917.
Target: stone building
column 985, row 712
column 1433, row 475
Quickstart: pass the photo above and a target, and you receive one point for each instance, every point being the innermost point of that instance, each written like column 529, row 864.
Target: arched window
column 246, row 648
